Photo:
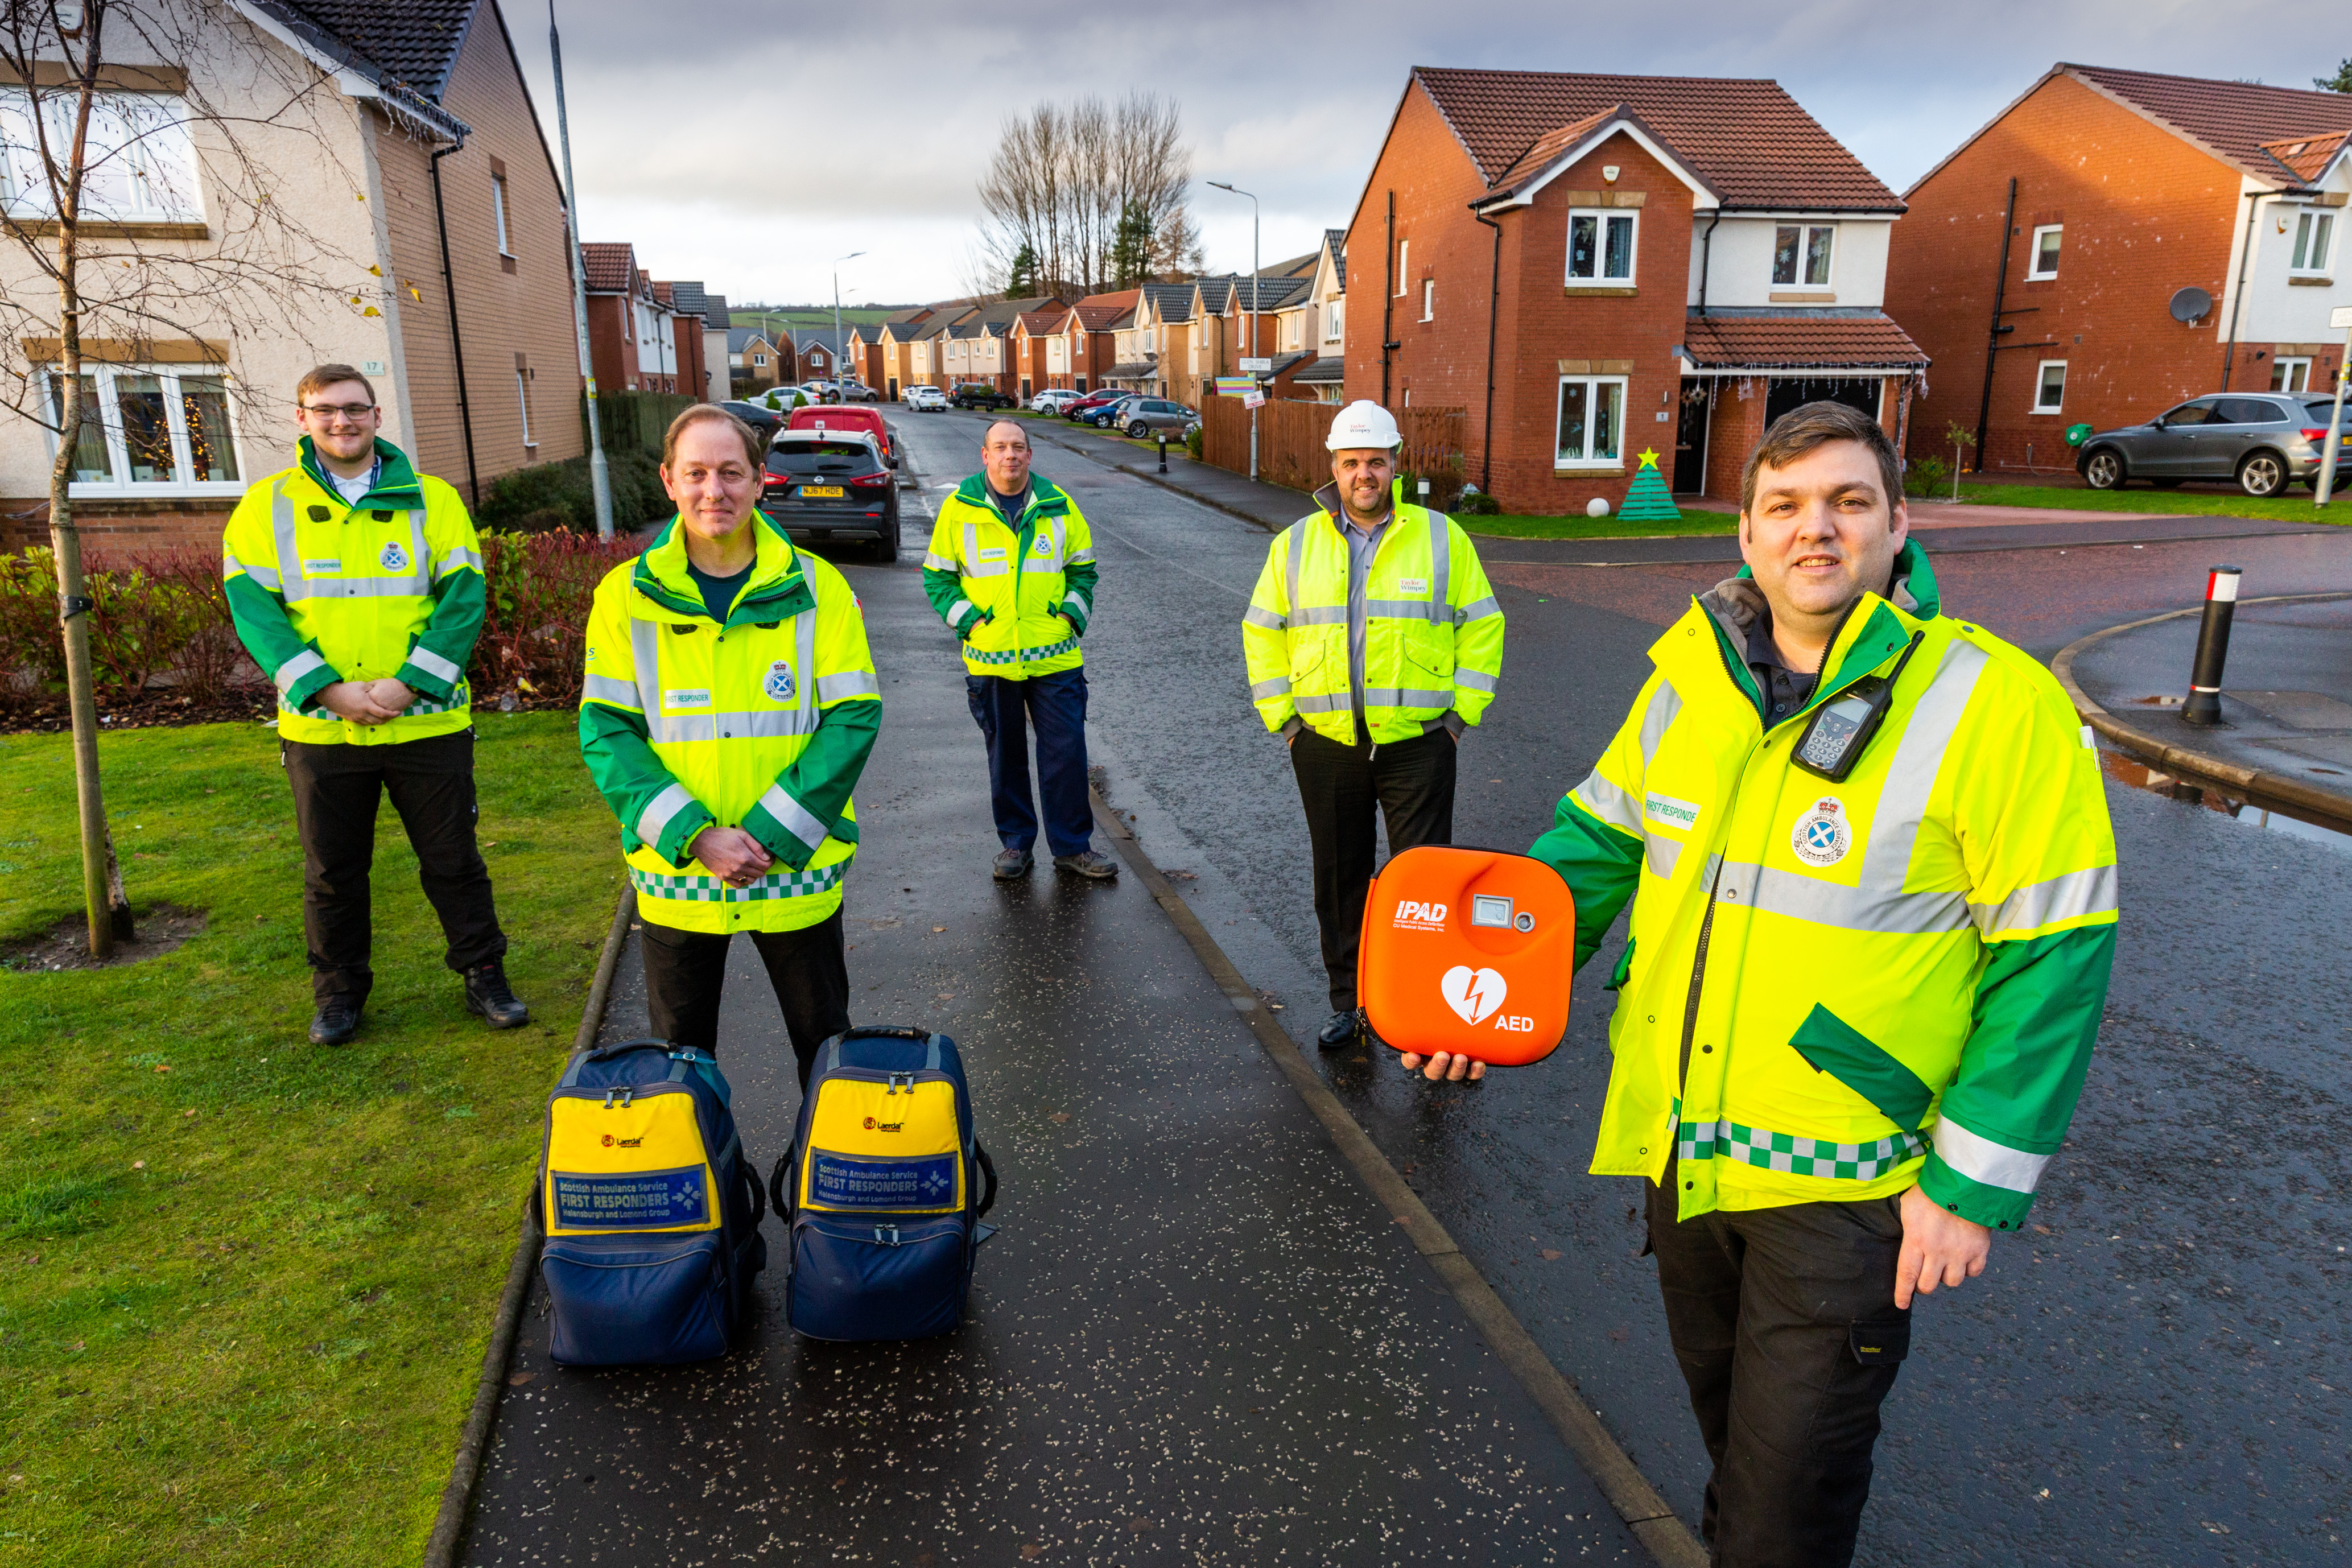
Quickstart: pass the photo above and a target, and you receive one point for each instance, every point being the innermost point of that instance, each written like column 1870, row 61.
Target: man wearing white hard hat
column 1374, row 642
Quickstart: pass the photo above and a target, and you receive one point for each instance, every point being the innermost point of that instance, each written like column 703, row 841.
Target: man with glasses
column 356, row 582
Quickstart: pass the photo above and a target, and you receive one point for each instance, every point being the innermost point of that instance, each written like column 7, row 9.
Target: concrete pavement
column 2152, row 1373
column 1195, row 1338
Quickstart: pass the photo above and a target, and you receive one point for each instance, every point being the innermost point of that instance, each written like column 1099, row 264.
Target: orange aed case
column 1468, row 951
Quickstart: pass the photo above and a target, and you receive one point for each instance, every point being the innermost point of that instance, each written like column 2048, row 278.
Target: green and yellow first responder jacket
column 1834, row 990
column 759, row 719
column 1005, row 592
column 324, row 590
column 1433, row 630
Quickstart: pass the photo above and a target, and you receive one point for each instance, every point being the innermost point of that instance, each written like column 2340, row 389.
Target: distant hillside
column 747, row 315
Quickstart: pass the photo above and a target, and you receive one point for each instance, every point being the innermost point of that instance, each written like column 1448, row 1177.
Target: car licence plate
column 829, row 492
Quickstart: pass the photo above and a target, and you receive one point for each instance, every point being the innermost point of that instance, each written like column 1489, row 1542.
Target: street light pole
column 836, row 316
column 1253, row 304
column 600, row 474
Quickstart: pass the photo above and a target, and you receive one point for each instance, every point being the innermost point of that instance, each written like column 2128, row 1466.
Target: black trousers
column 686, row 970
column 336, row 788
column 1784, row 1323
column 1056, row 706
column 1410, row 782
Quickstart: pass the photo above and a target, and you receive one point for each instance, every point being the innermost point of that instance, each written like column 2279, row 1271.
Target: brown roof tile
column 2308, row 156
column 1790, row 342
column 1752, row 143
column 1097, row 311
column 2237, row 120
column 611, row 265
column 1038, row 323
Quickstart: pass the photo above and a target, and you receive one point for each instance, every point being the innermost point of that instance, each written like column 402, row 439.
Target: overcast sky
column 700, row 130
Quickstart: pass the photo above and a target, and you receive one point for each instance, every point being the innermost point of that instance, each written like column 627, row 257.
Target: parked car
column 824, row 485
column 1105, row 415
column 2265, row 441
column 979, row 394
column 1054, row 399
column 926, row 399
column 1143, row 416
column 758, row 415
column 1085, row 407
column 858, row 391
column 782, row 396
column 840, row 418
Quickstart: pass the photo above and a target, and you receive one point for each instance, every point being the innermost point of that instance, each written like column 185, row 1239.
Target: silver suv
column 2265, row 441
column 1142, row 416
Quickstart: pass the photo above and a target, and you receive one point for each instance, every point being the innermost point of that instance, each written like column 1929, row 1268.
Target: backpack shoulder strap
column 931, row 1056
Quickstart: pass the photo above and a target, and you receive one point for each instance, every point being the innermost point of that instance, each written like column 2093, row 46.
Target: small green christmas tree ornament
column 1647, row 499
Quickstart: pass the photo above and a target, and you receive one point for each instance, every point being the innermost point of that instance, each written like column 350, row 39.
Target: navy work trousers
column 1056, row 705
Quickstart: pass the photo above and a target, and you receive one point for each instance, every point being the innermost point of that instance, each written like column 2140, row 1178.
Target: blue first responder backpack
column 651, row 1211
column 883, row 1189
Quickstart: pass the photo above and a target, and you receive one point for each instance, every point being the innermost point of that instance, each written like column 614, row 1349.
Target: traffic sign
column 1257, row 367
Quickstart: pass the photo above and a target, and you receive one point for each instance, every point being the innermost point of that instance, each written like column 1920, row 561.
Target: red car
column 1084, row 409
column 849, row 419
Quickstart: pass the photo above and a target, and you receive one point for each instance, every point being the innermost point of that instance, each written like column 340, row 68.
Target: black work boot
column 487, row 993
column 336, row 1021
column 1339, row 1029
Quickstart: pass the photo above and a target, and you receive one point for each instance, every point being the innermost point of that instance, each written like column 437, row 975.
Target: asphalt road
column 2157, row 1371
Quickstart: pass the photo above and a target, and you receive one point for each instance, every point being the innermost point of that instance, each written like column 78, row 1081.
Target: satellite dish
column 2191, row 306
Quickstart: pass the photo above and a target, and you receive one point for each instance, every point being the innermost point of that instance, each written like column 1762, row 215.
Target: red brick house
column 1041, row 349
column 687, row 306
column 1670, row 261
column 630, row 340
column 1091, row 330
column 2041, row 262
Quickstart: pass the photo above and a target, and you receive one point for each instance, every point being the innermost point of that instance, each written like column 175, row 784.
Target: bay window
column 1591, row 421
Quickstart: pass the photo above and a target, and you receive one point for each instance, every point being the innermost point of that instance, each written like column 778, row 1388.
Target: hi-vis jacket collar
column 1045, row 498
column 1327, row 498
column 1872, row 631
column 395, row 487
column 778, row 587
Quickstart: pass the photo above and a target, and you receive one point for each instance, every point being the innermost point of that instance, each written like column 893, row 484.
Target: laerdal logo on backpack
column 1413, row 915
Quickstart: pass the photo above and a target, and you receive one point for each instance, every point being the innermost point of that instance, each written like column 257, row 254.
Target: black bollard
column 1163, row 452
column 2204, row 704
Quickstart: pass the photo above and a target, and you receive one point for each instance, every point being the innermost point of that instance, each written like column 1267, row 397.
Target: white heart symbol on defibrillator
column 1473, row 992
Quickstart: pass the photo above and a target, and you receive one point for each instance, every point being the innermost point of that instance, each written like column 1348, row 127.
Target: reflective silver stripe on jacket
column 433, row 665
column 1080, row 557
column 1477, row 610
column 1980, row 1159
column 792, row 816
column 1475, row 681
column 1279, row 686
column 956, row 610
column 1665, row 703
column 1290, row 576
column 1323, row 616
column 661, row 810
column 973, row 566
column 848, row 683
column 1257, row 618
column 767, row 724
column 1376, row 696
column 1806, row 898
column 1662, row 853
column 295, row 669
column 1441, row 565
column 932, row 563
column 1405, row 610
column 459, row 557
column 607, row 688
column 2090, row 891
column 231, row 566
column 1609, row 803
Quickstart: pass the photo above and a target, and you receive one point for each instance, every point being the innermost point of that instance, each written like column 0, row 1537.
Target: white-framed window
column 1331, row 320
column 140, row 166
column 1800, row 254
column 2291, row 373
column 759, row 360
column 2314, row 235
column 498, row 212
column 2041, row 256
column 1429, row 298
column 2050, row 387
column 1601, row 244
column 1591, row 422
column 1405, row 250
column 151, row 430
column 522, row 396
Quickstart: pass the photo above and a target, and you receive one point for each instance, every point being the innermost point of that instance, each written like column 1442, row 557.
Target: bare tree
column 107, row 136
column 1064, row 178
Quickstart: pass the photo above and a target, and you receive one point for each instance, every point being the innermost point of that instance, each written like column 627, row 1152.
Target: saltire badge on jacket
column 395, row 558
column 778, row 682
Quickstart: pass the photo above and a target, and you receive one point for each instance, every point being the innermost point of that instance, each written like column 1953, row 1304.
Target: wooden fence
column 1290, row 449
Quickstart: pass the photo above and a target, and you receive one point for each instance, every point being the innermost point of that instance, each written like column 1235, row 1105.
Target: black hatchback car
column 821, row 487
column 762, row 419
column 978, row 395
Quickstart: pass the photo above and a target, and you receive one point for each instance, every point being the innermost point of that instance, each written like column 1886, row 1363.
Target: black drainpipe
column 1493, row 307
column 1706, row 257
column 456, row 344
column 2238, row 300
column 1992, row 339
column 1388, row 304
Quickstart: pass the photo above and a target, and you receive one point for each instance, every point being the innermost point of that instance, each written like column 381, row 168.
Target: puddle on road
column 2135, row 774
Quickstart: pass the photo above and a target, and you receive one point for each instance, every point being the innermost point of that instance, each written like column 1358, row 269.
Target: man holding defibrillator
column 1873, row 907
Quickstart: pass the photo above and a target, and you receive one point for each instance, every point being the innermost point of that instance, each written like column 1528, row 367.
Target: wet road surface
column 1196, row 1338
column 2156, row 1373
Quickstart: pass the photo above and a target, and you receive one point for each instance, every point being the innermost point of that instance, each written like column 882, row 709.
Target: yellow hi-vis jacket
column 1433, row 631
column 322, row 591
column 1008, row 593
column 761, row 718
column 1833, row 990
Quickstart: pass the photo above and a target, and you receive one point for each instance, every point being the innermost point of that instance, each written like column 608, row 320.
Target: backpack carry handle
column 987, row 1168
column 884, row 1032
column 776, row 1188
column 751, row 1174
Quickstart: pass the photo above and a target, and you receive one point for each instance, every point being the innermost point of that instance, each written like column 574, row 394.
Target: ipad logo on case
column 1474, row 994
column 1413, row 915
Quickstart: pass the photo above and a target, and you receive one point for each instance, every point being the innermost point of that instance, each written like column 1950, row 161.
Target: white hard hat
column 1363, row 423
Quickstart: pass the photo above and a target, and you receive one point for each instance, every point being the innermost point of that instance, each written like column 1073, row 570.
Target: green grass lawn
column 2293, row 507
column 246, row 1282
column 1578, row 526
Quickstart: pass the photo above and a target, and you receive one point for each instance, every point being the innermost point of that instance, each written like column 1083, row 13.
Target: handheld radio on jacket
column 1467, row 952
